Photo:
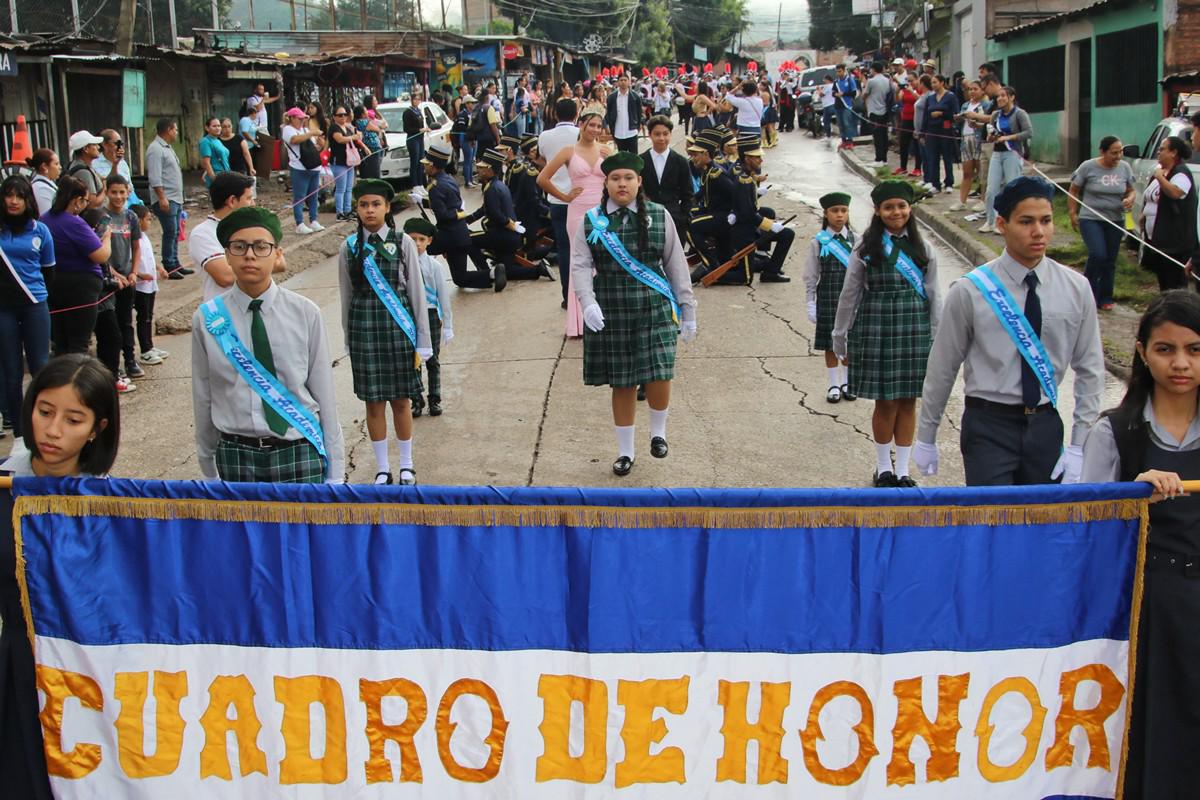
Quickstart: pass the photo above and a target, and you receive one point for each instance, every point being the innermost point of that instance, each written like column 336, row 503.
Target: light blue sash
column 637, row 269
column 431, row 299
column 695, row 185
column 829, row 244
column 385, row 291
column 905, row 266
column 219, row 324
column 1018, row 328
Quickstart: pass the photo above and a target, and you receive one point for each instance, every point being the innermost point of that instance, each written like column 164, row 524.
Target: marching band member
column 265, row 411
column 635, row 305
column 501, row 234
column 886, row 318
column 824, row 276
column 752, row 222
column 453, row 239
column 709, row 227
column 1016, row 324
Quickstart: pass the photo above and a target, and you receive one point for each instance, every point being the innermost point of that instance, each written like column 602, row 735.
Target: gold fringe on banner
column 578, row 516
column 1135, row 613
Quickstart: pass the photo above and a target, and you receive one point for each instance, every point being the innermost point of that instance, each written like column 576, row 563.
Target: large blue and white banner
column 252, row 641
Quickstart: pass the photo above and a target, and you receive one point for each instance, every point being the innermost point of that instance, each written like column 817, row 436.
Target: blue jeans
column 937, row 152
column 1005, row 166
column 562, row 244
column 169, row 220
column 847, row 122
column 468, row 160
column 304, row 192
column 1103, row 243
column 827, row 115
column 24, row 330
column 343, row 178
column 416, row 151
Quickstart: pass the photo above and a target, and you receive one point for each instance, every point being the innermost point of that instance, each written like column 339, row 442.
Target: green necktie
column 375, row 241
column 262, row 351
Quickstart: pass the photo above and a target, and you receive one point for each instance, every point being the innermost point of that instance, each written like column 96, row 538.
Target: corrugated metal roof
column 1075, row 12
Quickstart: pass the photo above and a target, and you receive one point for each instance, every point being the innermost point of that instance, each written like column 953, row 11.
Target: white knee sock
column 381, row 455
column 834, row 376
column 405, row 453
column 624, row 440
column 845, row 377
column 658, row 423
column 883, row 457
column 902, row 454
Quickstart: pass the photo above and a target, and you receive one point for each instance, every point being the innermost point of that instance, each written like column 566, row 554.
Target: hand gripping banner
column 247, row 641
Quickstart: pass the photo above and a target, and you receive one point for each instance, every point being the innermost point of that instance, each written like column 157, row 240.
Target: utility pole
column 420, row 17
column 443, row 14
column 216, row 16
column 292, row 3
column 75, row 16
column 174, row 40
column 362, row 15
column 251, row 15
column 12, row 16
column 779, row 28
column 126, row 14
column 333, row 14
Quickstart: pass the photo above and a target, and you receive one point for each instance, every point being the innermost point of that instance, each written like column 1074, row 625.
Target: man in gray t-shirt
column 875, row 95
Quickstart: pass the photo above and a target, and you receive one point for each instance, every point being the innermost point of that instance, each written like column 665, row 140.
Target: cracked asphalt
column 748, row 406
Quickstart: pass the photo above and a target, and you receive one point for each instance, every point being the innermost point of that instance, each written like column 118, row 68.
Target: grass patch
column 1132, row 285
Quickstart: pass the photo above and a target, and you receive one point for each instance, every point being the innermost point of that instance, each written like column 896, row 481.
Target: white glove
column 925, row 456
column 776, row 227
column 425, row 353
column 762, row 190
column 593, row 318
column 447, row 335
column 812, row 311
column 731, row 219
column 462, row 206
column 687, row 330
column 419, row 193
column 519, row 228
column 1070, row 464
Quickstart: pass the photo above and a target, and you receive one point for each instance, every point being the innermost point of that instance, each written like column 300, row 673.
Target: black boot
column 435, row 406
column 418, row 407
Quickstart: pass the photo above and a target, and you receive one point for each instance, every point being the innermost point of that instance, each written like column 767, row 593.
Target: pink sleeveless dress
column 591, row 180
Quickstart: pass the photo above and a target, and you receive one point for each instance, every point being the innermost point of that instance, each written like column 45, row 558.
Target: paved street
column 748, row 406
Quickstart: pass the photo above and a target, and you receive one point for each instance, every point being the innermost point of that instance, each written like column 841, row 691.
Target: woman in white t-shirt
column 749, row 106
column 305, row 181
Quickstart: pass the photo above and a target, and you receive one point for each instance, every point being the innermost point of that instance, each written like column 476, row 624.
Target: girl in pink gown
column 591, row 180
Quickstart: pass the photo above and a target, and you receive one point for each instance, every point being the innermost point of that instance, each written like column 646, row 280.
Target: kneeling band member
column 635, row 306
column 709, row 228
column 1015, row 324
column 453, row 239
column 501, row 234
column 751, row 225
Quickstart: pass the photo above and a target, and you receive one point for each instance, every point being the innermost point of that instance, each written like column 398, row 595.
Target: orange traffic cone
column 21, row 151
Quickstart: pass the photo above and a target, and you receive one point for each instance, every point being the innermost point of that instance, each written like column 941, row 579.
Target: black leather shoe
column 175, row 276
column 545, row 272
column 658, row 447
column 500, row 279
column 886, row 480
column 906, row 482
column 848, row 395
column 435, row 407
column 564, row 305
column 418, row 408
column 698, row 273
column 186, row 271
column 387, row 479
column 774, row 277
column 408, row 477
column 622, row 466
column 641, row 393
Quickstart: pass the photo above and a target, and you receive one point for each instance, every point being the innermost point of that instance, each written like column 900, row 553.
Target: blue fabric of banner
column 110, row 580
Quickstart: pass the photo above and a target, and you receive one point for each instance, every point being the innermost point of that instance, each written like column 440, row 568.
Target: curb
column 960, row 241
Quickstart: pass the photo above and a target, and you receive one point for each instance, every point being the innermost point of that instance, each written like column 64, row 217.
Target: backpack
column 479, row 123
column 462, row 121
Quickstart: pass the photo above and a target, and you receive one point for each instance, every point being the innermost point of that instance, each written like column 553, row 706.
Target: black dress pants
column 1009, row 447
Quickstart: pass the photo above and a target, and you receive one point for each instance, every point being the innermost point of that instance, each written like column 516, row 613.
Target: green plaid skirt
column 382, row 358
column 296, row 463
column 829, row 289
column 638, row 342
column 889, row 344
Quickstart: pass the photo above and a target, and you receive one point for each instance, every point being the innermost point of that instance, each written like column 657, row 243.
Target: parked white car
column 395, row 161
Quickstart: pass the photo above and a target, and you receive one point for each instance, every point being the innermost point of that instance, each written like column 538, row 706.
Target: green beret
column 891, row 190
column 622, row 160
column 248, row 217
column 373, row 186
column 419, row 225
column 835, row 199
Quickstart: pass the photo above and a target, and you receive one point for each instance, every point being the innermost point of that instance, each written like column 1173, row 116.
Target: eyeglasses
column 339, row 113
column 239, row 247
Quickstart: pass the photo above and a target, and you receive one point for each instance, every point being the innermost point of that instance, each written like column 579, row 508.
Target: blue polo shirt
column 26, row 254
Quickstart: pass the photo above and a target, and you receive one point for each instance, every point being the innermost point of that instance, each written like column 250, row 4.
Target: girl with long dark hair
column 80, row 263
column 1154, row 436
column 631, row 326
column 886, row 317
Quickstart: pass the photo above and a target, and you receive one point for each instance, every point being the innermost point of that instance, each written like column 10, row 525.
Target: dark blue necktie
column 1031, row 389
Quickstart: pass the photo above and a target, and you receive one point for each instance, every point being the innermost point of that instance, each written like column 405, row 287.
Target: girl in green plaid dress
column 630, row 328
column 824, row 276
column 384, row 360
column 886, row 317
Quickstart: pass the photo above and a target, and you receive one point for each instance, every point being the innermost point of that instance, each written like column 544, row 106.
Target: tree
column 833, row 26
column 653, row 41
column 711, row 24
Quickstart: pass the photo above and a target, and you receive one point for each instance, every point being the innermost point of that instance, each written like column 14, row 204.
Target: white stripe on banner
column 1021, row 732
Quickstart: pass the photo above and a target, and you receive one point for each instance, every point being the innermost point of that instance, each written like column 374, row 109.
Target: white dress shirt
column 660, row 162
column 550, row 142
column 222, row 399
column 622, row 129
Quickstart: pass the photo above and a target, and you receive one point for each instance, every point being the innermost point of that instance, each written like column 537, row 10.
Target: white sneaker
column 150, row 357
column 303, row 229
column 316, row 226
column 977, row 206
column 158, row 351
column 948, row 189
column 124, row 385
column 956, row 206
column 985, row 228
column 927, row 187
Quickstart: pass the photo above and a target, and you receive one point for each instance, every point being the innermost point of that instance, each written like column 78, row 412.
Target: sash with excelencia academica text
column 219, row 323
column 905, row 266
column 830, row 244
column 386, row 292
column 1016, row 324
column 642, row 273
